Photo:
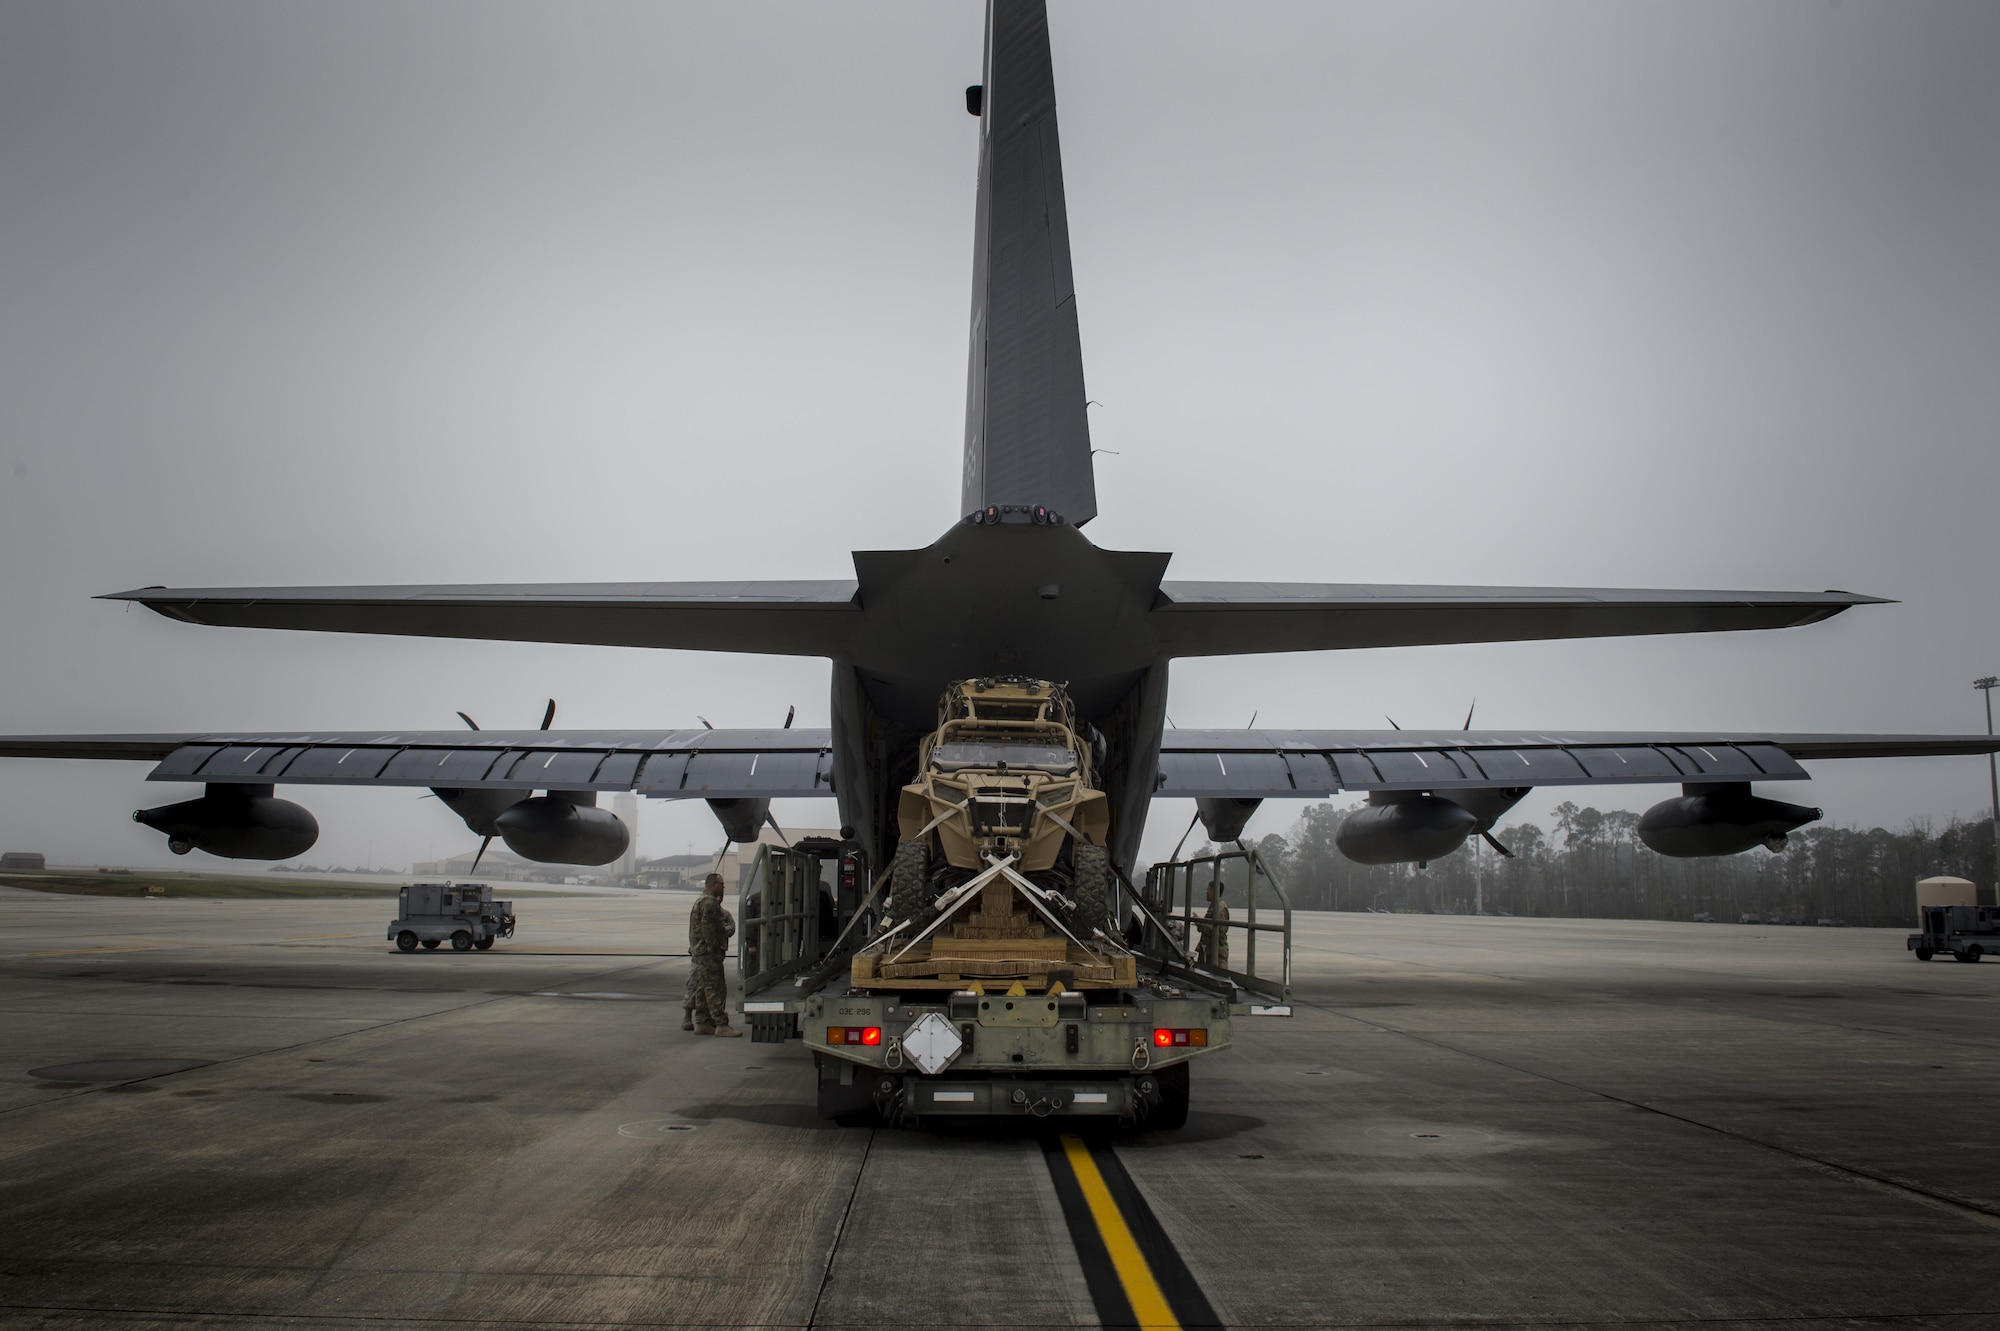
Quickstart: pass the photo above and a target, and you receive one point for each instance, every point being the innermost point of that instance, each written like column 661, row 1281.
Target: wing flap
column 329, row 765
column 671, row 764
column 1275, row 764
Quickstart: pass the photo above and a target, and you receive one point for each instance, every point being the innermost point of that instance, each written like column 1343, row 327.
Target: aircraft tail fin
column 1027, row 440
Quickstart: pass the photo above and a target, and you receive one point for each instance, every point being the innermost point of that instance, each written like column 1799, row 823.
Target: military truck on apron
column 1002, row 965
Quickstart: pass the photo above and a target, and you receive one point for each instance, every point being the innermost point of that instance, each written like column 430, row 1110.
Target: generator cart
column 463, row 914
column 1010, row 969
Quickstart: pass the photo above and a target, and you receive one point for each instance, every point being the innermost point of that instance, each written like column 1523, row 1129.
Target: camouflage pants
column 708, row 992
column 1214, row 943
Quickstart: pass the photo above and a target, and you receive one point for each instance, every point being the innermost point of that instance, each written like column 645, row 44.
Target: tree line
column 1591, row 864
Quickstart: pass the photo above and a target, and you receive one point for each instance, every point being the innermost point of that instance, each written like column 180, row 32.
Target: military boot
column 727, row 1030
column 704, row 1028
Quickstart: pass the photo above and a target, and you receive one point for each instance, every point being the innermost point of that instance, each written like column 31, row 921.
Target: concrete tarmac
column 259, row 1114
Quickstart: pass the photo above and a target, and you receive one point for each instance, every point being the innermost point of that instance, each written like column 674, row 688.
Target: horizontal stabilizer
column 774, row 618
column 1236, row 618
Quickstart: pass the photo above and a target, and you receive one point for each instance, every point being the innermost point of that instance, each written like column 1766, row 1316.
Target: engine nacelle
column 1487, row 803
column 481, row 809
column 1720, row 820
column 1398, row 828
column 237, row 822
column 742, row 820
column 1223, row 818
column 562, row 827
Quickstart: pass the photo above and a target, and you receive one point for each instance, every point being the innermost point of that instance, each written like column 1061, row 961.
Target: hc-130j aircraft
column 1014, row 588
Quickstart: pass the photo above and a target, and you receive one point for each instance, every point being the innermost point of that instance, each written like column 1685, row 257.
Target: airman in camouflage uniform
column 710, row 928
column 1214, row 928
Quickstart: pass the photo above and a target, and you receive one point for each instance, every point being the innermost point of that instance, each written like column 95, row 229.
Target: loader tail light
column 854, row 1035
column 1172, row 1037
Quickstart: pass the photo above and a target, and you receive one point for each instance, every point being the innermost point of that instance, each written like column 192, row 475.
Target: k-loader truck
column 1001, row 965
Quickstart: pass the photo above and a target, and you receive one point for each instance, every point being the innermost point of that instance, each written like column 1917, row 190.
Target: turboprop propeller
column 556, row 827
column 743, row 819
column 481, row 809
column 1222, row 816
column 1399, row 826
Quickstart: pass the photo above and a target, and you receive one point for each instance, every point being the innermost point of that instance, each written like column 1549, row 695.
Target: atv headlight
column 1050, row 796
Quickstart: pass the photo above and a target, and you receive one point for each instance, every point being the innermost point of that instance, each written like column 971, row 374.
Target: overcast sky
column 1677, row 294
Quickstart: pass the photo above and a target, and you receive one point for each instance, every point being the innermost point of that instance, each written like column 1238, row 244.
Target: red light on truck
column 870, row 1035
column 854, row 1035
column 1164, row 1038
column 1168, row 1038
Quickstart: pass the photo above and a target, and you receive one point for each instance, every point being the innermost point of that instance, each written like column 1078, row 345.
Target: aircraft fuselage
column 1001, row 599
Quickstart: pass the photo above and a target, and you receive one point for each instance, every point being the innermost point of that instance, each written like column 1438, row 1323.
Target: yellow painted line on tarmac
column 307, row 938
column 1149, row 1303
column 81, row 951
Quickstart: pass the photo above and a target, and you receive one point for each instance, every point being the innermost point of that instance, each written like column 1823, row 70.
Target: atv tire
column 1091, row 891
column 910, row 887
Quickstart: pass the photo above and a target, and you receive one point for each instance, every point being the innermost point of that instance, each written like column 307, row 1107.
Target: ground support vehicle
column 1000, row 965
column 462, row 914
column 1010, row 1026
column 1966, row 932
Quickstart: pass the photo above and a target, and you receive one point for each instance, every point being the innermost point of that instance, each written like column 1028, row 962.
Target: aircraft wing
column 661, row 764
column 1276, row 764
column 1233, row 618
column 811, row 618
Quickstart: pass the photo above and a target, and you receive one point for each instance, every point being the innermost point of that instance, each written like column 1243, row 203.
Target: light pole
column 1985, row 686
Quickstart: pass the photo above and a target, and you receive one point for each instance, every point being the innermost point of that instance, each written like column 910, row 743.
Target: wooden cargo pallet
column 994, row 942
column 949, row 963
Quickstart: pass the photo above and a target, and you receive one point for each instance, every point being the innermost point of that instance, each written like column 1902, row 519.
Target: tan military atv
column 1006, row 777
